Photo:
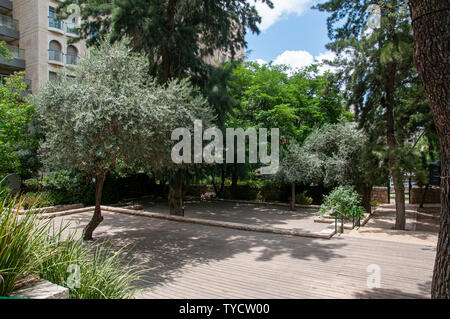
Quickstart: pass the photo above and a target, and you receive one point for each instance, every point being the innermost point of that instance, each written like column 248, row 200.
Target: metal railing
column 9, row 22
column 71, row 28
column 71, row 59
column 356, row 219
column 54, row 23
column 17, row 52
column 54, row 55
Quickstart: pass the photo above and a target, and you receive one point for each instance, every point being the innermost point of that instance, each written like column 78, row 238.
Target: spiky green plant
column 100, row 273
column 32, row 246
column 22, row 239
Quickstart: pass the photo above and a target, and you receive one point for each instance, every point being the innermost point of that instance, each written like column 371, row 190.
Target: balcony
column 27, row 91
column 5, row 6
column 71, row 60
column 55, row 25
column 9, row 28
column 18, row 59
column 55, row 57
column 71, row 29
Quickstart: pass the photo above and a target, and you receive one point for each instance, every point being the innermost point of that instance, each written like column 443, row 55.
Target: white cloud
column 295, row 59
column 330, row 56
column 300, row 59
column 260, row 61
column 281, row 7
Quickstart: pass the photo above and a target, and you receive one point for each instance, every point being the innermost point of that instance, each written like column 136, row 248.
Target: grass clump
column 32, row 246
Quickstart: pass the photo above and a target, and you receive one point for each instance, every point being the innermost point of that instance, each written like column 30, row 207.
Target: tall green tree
column 377, row 64
column 178, row 36
column 430, row 21
column 16, row 114
column 274, row 96
column 112, row 112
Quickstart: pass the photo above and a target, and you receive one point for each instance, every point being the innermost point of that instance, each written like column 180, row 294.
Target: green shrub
column 303, row 199
column 374, row 203
column 38, row 200
column 342, row 200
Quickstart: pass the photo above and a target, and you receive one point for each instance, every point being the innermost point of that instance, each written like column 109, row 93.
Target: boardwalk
column 195, row 261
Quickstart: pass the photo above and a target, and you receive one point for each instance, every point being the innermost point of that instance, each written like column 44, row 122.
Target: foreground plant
column 29, row 246
column 89, row 271
column 22, row 239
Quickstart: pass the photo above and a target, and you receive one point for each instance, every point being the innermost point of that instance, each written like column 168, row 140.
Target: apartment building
column 39, row 41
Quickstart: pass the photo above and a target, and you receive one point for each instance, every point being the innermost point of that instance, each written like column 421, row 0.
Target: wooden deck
column 196, row 261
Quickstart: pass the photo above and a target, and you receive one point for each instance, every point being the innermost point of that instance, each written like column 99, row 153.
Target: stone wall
column 380, row 194
column 432, row 196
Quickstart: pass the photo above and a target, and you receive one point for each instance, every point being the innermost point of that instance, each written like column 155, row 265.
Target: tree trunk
column 430, row 21
column 97, row 218
column 293, row 197
column 234, row 180
column 176, row 194
column 222, row 184
column 388, row 101
column 165, row 49
column 424, row 194
column 366, row 197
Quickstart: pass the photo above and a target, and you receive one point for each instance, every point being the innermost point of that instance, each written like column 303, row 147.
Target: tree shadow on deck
column 163, row 248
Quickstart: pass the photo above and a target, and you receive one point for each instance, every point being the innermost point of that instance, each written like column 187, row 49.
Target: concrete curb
column 325, row 234
column 261, row 203
column 51, row 209
column 41, row 290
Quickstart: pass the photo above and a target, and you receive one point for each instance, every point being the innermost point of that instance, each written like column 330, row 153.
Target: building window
column 52, row 76
column 72, row 55
column 53, row 21
column 71, row 27
column 55, row 52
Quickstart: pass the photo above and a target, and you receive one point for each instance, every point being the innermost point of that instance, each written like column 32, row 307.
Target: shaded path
column 195, row 261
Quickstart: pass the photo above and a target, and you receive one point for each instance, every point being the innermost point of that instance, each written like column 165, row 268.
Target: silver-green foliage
column 298, row 165
column 328, row 155
column 111, row 111
column 337, row 148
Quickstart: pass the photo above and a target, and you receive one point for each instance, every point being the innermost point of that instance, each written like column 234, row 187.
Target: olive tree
column 297, row 165
column 112, row 112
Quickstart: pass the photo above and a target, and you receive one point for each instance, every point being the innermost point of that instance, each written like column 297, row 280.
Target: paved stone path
column 381, row 227
column 195, row 261
column 269, row 216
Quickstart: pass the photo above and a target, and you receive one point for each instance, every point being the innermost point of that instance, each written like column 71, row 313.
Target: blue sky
column 292, row 33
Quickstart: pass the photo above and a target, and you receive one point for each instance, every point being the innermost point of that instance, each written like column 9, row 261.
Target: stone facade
column 35, row 37
column 380, row 194
column 432, row 196
column 37, row 34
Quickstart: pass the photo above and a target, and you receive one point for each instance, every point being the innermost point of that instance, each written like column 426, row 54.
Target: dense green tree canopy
column 176, row 34
column 271, row 96
column 113, row 111
column 15, row 116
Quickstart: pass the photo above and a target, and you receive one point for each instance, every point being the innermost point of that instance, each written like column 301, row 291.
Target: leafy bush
column 38, row 200
column 374, row 203
column 303, row 199
column 342, row 200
